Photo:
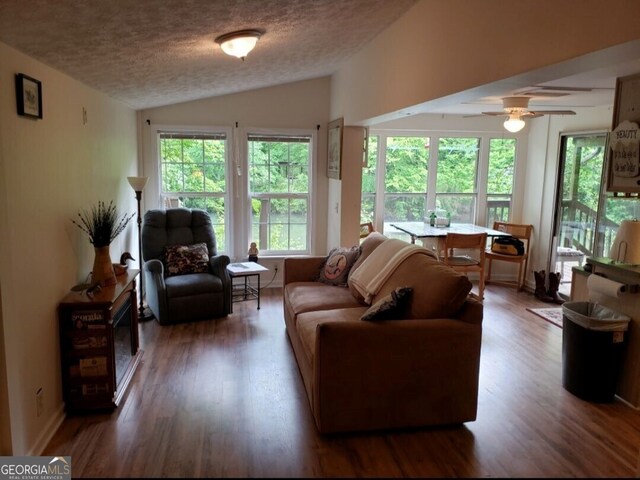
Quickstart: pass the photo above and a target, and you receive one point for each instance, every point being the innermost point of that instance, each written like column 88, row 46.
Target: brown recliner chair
column 189, row 296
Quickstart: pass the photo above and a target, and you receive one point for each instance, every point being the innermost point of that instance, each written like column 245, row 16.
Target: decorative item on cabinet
column 102, row 225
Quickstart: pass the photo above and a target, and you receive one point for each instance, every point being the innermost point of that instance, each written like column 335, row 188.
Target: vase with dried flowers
column 102, row 224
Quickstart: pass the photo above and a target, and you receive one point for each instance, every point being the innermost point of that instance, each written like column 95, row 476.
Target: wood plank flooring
column 224, row 398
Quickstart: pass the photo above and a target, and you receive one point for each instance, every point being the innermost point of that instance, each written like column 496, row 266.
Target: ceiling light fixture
column 514, row 123
column 240, row 43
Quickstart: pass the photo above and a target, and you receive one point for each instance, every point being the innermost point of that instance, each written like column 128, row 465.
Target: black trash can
column 593, row 342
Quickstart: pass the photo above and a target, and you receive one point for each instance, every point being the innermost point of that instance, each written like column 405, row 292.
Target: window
column 470, row 177
column 405, row 178
column 193, row 174
column 279, row 184
column 502, row 159
column 367, row 212
column 456, row 178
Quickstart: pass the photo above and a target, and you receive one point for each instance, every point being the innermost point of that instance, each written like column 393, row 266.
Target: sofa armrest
column 471, row 311
column 427, row 369
column 154, row 288
column 218, row 265
column 302, row 269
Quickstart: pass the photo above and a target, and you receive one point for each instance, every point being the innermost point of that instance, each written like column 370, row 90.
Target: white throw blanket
column 380, row 264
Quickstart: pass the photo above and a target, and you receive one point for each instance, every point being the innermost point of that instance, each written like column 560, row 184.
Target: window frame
column 198, row 130
column 244, row 192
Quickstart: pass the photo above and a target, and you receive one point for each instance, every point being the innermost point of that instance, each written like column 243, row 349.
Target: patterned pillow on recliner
column 181, row 259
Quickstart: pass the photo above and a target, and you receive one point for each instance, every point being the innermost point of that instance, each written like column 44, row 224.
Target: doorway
column 577, row 206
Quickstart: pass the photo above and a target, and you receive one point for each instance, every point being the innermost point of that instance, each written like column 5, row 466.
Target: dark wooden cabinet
column 99, row 348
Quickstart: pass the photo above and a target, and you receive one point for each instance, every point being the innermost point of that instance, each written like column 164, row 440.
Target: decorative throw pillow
column 390, row 306
column 335, row 268
column 181, row 259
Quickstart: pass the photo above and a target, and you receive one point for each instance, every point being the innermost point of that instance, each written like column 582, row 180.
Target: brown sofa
column 415, row 371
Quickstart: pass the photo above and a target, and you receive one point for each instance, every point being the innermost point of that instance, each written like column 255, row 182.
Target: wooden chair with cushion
column 521, row 232
column 465, row 252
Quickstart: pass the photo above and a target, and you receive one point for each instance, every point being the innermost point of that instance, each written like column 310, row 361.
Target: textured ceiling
column 149, row 53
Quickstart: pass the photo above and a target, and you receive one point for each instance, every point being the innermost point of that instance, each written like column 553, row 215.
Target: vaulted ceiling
column 149, row 53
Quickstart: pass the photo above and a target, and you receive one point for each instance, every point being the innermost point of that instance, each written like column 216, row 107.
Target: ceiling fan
column 517, row 108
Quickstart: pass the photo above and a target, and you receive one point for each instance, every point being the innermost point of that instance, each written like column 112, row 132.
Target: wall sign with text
column 623, row 174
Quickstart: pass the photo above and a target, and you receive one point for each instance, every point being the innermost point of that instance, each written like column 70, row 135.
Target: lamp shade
column 514, row 123
column 239, row 44
column 626, row 246
column 137, row 183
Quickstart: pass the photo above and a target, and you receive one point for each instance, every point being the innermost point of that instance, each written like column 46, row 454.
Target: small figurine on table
column 253, row 252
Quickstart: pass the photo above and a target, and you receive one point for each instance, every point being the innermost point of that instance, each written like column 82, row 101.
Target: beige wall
column 49, row 170
column 444, row 47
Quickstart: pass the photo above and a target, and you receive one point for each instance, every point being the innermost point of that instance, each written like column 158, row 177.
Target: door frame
column 558, row 192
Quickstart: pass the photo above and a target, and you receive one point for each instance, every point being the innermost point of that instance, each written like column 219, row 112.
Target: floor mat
column 551, row 315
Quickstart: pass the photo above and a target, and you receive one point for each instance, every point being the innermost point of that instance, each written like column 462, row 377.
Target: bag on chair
column 508, row 246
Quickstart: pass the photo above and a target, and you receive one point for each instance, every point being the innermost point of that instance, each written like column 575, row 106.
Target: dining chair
column 366, row 229
column 465, row 252
column 521, row 232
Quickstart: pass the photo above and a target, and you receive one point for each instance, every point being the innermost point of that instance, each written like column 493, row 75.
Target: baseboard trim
column 49, row 431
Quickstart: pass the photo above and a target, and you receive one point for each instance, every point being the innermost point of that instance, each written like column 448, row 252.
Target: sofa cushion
column 335, row 269
column 183, row 259
column 191, row 284
column 392, row 306
column 438, row 290
column 303, row 297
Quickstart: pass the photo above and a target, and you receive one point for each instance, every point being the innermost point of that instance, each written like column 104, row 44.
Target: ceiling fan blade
column 531, row 114
column 495, row 113
column 552, row 112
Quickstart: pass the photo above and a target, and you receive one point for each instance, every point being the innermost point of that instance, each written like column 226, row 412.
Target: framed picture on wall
column 623, row 151
column 334, row 150
column 28, row 96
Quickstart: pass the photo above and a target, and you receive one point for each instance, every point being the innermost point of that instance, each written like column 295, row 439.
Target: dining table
column 424, row 231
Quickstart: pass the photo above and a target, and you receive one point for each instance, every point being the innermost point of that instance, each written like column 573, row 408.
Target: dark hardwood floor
column 224, row 398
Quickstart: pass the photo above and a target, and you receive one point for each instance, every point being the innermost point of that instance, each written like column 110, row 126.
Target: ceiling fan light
column 514, row 124
column 239, row 44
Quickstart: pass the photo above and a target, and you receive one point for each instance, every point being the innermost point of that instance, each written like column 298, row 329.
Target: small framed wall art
column 334, row 150
column 28, row 96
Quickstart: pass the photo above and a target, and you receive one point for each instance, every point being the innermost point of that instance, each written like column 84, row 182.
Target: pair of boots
column 550, row 295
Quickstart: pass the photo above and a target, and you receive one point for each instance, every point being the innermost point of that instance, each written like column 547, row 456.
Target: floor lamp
column 138, row 183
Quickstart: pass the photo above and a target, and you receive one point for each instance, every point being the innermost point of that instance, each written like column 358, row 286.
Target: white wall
column 299, row 105
column 49, row 170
